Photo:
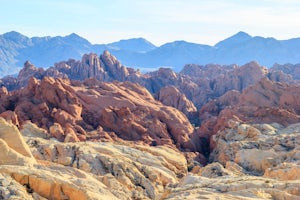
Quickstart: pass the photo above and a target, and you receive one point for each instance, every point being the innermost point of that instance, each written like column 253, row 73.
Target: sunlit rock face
column 249, row 161
column 76, row 111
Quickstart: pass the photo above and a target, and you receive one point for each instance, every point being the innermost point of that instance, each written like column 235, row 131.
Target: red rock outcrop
column 28, row 71
column 104, row 67
column 171, row 96
column 9, row 82
column 290, row 69
column 10, row 116
column 3, row 99
column 126, row 109
column 219, row 92
column 199, row 84
column 212, row 81
column 113, row 67
column 264, row 102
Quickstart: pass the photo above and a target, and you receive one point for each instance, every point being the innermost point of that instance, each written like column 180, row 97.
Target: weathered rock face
column 239, row 78
column 132, row 113
column 56, row 182
column 27, row 72
column 37, row 181
column 10, row 156
column 242, row 96
column 209, row 71
column 12, row 143
column 213, row 81
column 90, row 66
column 4, row 99
column 104, row 68
column 232, row 181
column 11, row 189
column 126, row 170
column 72, row 110
column 259, row 148
column 120, row 121
column 198, row 83
column 269, row 94
column 90, row 170
column 279, row 76
column 129, row 171
column 30, row 129
column 264, row 102
column 290, row 69
column 113, row 67
column 171, row 96
column 10, row 116
column 234, row 187
column 9, row 82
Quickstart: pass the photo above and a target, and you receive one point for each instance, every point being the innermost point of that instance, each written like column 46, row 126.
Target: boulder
column 10, row 136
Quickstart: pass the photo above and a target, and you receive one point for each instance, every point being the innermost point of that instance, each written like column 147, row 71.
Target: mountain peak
column 236, row 38
column 242, row 34
column 15, row 36
column 73, row 37
column 134, row 44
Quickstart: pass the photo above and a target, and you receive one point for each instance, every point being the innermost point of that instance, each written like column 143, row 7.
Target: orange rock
column 10, row 116
column 57, row 131
column 171, row 96
column 124, row 110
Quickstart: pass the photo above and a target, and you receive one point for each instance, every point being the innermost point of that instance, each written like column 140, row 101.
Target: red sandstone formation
column 171, row 96
column 198, row 83
column 70, row 110
column 264, row 102
column 220, row 93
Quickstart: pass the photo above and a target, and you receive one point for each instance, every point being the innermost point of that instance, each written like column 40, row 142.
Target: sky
column 159, row 21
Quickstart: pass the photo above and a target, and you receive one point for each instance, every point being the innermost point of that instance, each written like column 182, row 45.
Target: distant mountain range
column 240, row 48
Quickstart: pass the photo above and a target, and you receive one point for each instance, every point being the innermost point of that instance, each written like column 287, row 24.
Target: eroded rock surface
column 112, row 140
column 126, row 170
column 228, row 187
column 129, row 171
column 260, row 148
column 265, row 102
column 72, row 110
column 171, row 96
column 198, row 83
column 14, row 150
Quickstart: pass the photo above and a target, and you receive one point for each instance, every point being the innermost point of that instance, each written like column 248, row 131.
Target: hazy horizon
column 197, row 21
column 138, row 38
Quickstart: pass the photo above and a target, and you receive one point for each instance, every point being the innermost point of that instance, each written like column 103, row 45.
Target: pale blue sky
column 159, row 21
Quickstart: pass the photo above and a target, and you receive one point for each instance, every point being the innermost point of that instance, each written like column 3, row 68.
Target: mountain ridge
column 240, row 48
